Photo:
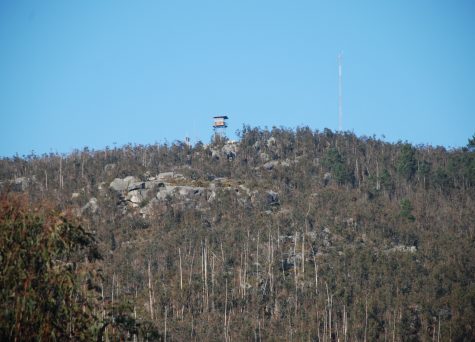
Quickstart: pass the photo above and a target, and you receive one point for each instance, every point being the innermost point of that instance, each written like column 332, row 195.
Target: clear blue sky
column 95, row 73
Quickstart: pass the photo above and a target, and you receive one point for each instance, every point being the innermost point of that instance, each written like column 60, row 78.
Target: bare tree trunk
column 61, row 173
column 150, row 294
column 317, row 324
column 329, row 313
column 345, row 323
column 246, row 252
column 378, row 185
column 135, row 313
column 271, row 260
column 203, row 291
column 102, row 295
column 438, row 331
column 205, row 253
column 316, row 272
column 82, row 166
column 257, row 261
column 303, row 255
column 165, row 333
column 325, row 322
column 222, row 256
column 181, row 271
column 226, row 312
column 394, row 326
column 295, row 261
column 212, row 282
column 191, row 268
column 366, row 318
column 357, row 172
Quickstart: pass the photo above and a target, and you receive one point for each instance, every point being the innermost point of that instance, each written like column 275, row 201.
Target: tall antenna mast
column 340, row 93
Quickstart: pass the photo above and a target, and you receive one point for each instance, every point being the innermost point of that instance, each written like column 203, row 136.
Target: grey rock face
column 137, row 186
column 272, row 198
column 212, row 196
column 179, row 190
column 148, row 209
column 190, row 191
column 21, row 184
column 135, row 197
column 118, row 185
column 162, row 176
column 270, row 165
column 92, row 206
column 121, row 185
column 245, row 189
column 130, row 179
column 264, row 156
column 229, row 151
column 327, row 177
column 164, row 193
column 271, row 141
column 403, row 248
column 109, row 168
column 102, row 186
column 326, row 237
column 214, row 154
column 165, row 175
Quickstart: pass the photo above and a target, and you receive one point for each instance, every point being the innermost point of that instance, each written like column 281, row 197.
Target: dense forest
column 292, row 235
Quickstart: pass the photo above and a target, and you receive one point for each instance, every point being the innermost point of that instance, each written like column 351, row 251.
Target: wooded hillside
column 294, row 235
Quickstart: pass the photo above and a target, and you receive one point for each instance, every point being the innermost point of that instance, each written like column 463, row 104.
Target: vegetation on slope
column 296, row 235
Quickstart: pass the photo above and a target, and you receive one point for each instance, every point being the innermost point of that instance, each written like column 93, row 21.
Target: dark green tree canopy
column 42, row 273
column 406, row 163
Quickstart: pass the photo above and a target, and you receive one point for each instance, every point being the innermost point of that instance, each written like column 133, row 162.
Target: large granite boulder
column 121, row 185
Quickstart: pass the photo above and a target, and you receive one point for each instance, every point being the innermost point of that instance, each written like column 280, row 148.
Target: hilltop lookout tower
column 219, row 125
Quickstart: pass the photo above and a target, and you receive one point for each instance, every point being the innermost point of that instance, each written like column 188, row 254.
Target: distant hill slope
column 282, row 235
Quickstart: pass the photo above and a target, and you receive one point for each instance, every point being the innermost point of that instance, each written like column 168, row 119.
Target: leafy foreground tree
column 44, row 274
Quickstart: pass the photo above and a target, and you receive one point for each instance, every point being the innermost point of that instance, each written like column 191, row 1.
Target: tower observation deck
column 219, row 125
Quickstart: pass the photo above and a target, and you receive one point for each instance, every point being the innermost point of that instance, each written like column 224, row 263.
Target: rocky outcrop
column 135, row 197
column 121, row 185
column 402, row 248
column 326, row 237
column 272, row 198
column 271, row 142
column 228, row 151
column 269, row 166
column 174, row 187
column 90, row 206
column 179, row 190
column 109, row 168
column 327, row 177
column 20, row 184
column 163, row 176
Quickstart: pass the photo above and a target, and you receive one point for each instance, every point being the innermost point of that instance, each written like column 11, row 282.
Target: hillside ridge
column 281, row 235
